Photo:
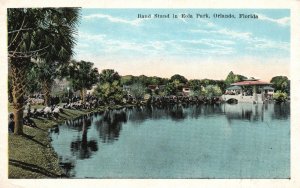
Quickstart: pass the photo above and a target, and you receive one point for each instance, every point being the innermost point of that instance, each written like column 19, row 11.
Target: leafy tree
column 83, row 76
column 179, row 78
column 109, row 92
column 163, row 81
column 198, row 93
column 143, row 80
column 33, row 84
column 39, row 33
column 138, row 91
column 280, row 96
column 154, row 80
column 175, row 84
column 281, row 83
column 195, row 84
column 109, row 87
column 127, row 80
column 171, row 88
column 109, row 75
column 206, row 82
column 222, row 85
column 44, row 73
column 232, row 78
column 212, row 91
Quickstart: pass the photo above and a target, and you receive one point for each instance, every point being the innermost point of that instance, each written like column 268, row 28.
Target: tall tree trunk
column 18, row 71
column 82, row 93
column 47, row 89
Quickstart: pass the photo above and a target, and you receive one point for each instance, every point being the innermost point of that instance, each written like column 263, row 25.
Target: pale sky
column 194, row 48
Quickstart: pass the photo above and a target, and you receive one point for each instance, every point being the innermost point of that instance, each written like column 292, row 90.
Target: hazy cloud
column 285, row 21
column 112, row 19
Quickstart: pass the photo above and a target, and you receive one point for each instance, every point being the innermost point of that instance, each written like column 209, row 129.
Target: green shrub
column 280, row 96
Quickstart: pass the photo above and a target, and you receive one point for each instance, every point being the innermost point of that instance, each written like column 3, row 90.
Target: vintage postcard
column 146, row 94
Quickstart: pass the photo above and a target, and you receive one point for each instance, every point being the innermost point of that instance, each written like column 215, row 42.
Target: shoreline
column 31, row 156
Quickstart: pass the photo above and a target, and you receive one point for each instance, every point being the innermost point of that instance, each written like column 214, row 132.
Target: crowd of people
column 92, row 102
column 53, row 110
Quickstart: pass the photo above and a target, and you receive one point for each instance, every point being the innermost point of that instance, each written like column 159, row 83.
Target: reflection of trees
column 195, row 111
column 76, row 124
column 174, row 112
column 82, row 148
column 281, row 111
column 67, row 165
column 55, row 130
column 110, row 125
column 212, row 109
column 140, row 114
column 177, row 114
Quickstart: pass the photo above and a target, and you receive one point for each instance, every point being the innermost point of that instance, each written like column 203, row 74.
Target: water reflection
column 68, row 165
column 246, row 112
column 110, row 125
column 173, row 112
column 152, row 139
column 281, row 111
column 82, row 147
column 243, row 111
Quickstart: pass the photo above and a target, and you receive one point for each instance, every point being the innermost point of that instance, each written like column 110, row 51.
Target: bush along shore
column 31, row 154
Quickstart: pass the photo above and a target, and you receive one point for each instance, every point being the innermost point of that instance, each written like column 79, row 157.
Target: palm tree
column 109, row 75
column 39, row 33
column 83, row 76
column 45, row 74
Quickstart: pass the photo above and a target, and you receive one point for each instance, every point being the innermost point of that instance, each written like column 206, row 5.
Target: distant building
column 186, row 90
column 268, row 91
column 153, row 87
column 233, row 90
column 250, row 91
column 126, row 88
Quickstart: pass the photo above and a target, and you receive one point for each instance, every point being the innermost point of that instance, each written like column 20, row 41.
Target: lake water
column 205, row 141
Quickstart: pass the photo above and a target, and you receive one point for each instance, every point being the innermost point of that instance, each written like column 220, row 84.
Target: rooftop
column 250, row 83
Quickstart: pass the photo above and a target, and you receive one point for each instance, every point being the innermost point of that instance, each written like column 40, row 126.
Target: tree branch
column 18, row 30
column 17, row 33
column 26, row 54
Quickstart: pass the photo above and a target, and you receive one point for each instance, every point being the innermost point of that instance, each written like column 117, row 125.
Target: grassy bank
column 31, row 155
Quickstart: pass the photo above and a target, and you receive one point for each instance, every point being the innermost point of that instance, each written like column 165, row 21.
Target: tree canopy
column 82, row 76
column 281, row 83
column 232, row 78
column 42, row 32
column 178, row 77
column 36, row 33
column 109, row 89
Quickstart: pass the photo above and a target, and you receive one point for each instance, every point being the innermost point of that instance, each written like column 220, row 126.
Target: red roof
column 153, row 86
column 250, row 82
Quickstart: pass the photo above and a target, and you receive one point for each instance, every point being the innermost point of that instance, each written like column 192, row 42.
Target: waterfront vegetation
column 31, row 155
column 280, row 96
column 40, row 48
